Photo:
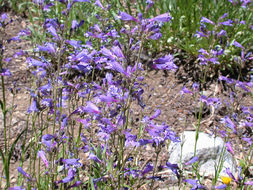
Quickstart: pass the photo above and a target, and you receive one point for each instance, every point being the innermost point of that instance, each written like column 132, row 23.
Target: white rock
column 208, row 150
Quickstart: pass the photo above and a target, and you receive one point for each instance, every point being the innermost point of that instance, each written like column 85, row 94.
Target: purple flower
column 237, row 44
column 42, row 155
column 74, row 43
column 185, row 91
column 249, row 183
column 174, row 168
column 127, row 17
column 34, row 62
column 223, row 186
column 229, row 124
column 3, row 17
column 33, row 107
column 70, row 176
column 156, row 114
column 99, row 4
column 117, row 51
column 47, row 140
column 155, row 36
column 52, row 30
column 107, row 98
column 193, row 160
column 222, row 33
column 94, row 158
column 230, row 174
column 206, row 20
column 147, row 169
column 107, row 53
column 165, row 63
column 72, row 161
column 227, row 23
column 49, row 47
column 20, row 170
column 5, row 72
column 229, row 148
column 114, row 65
column 248, row 140
column 195, row 184
column 16, row 188
column 161, row 18
column 74, row 24
column 228, row 80
column 149, row 4
column 89, row 108
column 76, row 184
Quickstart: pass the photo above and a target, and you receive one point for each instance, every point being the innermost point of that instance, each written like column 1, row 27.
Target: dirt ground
column 161, row 92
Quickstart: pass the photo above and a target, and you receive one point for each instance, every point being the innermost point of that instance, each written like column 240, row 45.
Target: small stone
column 208, row 150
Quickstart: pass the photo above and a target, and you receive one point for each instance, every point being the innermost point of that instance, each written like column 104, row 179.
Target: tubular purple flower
column 174, row 168
column 248, row 140
column 230, row 174
column 20, row 170
column 195, row 184
column 69, row 178
column 229, row 124
column 99, row 4
column 165, row 63
column 155, row 36
column 49, row 47
column 42, row 155
column 126, row 17
column 229, row 148
column 223, row 186
column 107, row 53
column 33, row 107
column 94, row 158
column 108, row 98
column 149, row 4
column 156, row 114
column 185, row 91
column 237, row 44
column 52, row 30
column 38, row 2
column 117, row 51
column 206, row 20
column 228, row 80
column 224, row 16
column 91, row 108
column 114, row 65
column 147, row 169
column 74, row 24
column 249, row 183
column 47, row 140
column 17, row 188
column 34, row 62
column 76, row 184
column 72, row 161
column 5, row 72
column 161, row 18
column 191, row 161
column 74, row 43
column 222, row 33
column 227, row 23
column 3, row 17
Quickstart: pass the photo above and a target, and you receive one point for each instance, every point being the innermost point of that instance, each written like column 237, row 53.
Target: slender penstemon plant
column 6, row 153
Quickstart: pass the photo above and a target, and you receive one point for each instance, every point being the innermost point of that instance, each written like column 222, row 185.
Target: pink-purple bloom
column 42, row 155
